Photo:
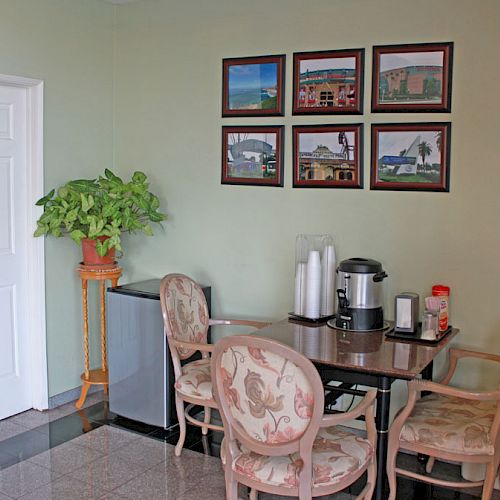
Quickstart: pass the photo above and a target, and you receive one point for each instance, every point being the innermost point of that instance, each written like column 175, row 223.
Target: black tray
column 316, row 321
column 416, row 337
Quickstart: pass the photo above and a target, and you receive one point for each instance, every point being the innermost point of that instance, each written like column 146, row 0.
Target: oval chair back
column 270, row 397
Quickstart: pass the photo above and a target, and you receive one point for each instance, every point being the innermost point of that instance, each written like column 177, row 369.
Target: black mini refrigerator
column 141, row 376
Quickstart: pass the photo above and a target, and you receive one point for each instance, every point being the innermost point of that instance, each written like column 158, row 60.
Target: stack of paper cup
column 313, row 285
column 328, row 269
column 300, row 289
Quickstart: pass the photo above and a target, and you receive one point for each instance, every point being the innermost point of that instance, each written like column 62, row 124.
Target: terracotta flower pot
column 90, row 255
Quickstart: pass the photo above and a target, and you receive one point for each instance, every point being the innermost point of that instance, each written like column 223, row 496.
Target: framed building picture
column 412, row 78
column 253, row 86
column 411, row 156
column 328, row 82
column 328, row 156
column 252, row 155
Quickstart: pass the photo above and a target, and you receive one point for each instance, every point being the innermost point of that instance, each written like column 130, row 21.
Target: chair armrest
column 193, row 346
column 239, row 322
column 367, row 403
column 417, row 385
column 455, row 354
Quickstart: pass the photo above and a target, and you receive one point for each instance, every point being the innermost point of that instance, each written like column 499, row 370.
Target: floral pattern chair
column 186, row 320
column 277, row 439
column 451, row 424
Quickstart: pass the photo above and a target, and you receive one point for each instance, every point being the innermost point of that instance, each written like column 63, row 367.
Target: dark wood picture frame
column 265, row 159
column 269, row 82
column 387, row 161
column 328, row 91
column 327, row 163
column 431, row 85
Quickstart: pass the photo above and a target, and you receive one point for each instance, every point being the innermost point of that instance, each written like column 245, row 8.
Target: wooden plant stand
column 98, row 376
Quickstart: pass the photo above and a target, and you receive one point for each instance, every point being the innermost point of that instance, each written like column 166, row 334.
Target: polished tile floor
column 65, row 454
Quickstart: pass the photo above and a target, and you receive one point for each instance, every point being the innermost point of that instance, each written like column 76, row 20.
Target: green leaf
column 45, row 199
column 156, row 216
column 111, row 176
column 139, row 177
column 155, row 202
column 77, row 236
column 147, row 229
column 41, row 230
column 85, row 203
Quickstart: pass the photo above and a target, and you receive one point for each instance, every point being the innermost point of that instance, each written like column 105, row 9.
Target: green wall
column 241, row 239
column 69, row 45
column 139, row 86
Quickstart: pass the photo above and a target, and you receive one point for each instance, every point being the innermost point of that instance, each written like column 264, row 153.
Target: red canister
column 443, row 292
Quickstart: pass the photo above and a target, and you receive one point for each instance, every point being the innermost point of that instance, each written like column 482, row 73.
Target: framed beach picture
column 328, row 82
column 411, row 156
column 253, row 86
column 328, row 156
column 252, row 155
column 412, row 78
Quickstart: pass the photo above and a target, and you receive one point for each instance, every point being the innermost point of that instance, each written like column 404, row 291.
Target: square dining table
column 360, row 358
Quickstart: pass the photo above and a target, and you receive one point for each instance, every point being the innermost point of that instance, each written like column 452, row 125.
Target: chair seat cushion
column 336, row 454
column 195, row 380
column 451, row 424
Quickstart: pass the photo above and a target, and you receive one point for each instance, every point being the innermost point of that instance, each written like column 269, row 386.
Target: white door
column 15, row 376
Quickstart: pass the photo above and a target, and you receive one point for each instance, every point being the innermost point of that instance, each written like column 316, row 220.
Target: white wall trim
column 36, row 248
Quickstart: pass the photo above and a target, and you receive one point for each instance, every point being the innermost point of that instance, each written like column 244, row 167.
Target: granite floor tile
column 174, row 477
column 26, row 445
column 157, row 483
column 146, row 451
column 9, row 429
column 106, row 439
column 211, row 487
column 4, row 497
column 33, row 418
column 110, row 496
column 25, row 477
column 66, row 488
column 109, row 472
column 6, row 459
column 66, row 457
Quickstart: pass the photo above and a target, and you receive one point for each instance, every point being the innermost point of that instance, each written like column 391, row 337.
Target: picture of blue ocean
column 253, row 86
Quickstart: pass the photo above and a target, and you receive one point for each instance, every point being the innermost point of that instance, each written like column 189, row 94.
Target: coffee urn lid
column 360, row 265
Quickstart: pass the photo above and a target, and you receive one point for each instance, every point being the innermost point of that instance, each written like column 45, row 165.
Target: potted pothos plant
column 95, row 212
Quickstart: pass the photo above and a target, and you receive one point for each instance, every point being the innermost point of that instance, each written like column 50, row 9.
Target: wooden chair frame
column 302, row 445
column 415, row 388
column 205, row 349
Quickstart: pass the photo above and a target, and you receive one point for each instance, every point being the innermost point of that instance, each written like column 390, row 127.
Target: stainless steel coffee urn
column 360, row 295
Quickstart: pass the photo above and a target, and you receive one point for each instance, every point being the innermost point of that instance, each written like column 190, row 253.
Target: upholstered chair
column 277, row 439
column 186, row 320
column 451, row 424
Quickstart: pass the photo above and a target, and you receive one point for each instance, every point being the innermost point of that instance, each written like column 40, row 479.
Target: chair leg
column 392, row 452
column 430, row 464
column 206, row 419
column 489, row 480
column 179, row 406
column 254, row 494
column 372, row 478
column 231, row 486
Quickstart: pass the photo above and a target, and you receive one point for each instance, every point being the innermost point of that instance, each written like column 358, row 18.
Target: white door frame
column 35, row 246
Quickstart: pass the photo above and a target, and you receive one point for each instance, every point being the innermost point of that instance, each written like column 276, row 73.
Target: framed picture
column 328, row 156
column 253, row 86
column 252, row 155
column 412, row 78
column 328, row 82
column 411, row 156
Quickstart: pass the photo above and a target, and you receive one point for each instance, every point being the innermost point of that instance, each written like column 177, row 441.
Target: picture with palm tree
column 410, row 156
